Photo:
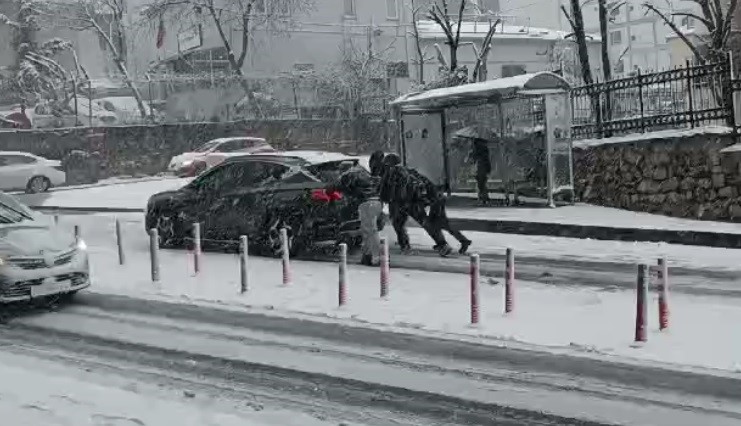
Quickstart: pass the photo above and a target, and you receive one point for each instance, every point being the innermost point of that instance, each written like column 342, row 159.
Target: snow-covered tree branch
column 105, row 19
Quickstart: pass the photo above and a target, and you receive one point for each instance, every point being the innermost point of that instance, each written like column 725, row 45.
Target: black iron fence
column 688, row 97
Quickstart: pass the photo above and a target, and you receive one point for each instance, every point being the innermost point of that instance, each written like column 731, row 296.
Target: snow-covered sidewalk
column 135, row 195
column 34, row 392
column 703, row 329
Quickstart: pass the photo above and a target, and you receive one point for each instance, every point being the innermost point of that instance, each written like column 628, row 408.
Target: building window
column 349, row 7
column 616, row 37
column 688, row 22
column 392, row 9
column 512, row 70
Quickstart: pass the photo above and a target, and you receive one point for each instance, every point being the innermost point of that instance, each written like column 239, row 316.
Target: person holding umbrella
column 480, row 156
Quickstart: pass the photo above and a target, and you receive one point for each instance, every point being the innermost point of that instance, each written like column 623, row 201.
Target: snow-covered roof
column 25, row 154
column 471, row 29
column 540, row 82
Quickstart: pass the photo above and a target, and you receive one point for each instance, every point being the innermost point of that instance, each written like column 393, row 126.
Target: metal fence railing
column 692, row 96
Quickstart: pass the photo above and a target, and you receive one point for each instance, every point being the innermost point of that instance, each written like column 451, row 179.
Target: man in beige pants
column 357, row 183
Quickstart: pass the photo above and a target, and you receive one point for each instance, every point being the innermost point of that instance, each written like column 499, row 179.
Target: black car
column 257, row 195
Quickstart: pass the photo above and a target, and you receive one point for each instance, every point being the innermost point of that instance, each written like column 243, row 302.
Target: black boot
column 464, row 246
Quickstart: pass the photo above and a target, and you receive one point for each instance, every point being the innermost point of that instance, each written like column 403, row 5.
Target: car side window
column 215, row 179
column 12, row 160
column 230, row 146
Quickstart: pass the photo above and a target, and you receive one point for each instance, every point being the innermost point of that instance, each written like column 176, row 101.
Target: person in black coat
column 480, row 156
column 408, row 193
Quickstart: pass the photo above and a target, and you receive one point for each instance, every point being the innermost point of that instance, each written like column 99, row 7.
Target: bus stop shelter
column 525, row 121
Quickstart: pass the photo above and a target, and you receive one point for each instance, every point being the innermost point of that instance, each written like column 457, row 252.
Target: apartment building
column 638, row 38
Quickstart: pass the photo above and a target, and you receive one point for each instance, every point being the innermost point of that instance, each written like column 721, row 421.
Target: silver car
column 36, row 259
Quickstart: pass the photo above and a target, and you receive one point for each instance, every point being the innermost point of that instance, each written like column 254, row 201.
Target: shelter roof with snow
column 477, row 30
column 496, row 90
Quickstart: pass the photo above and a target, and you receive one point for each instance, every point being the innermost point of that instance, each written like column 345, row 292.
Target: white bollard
column 286, row 257
column 196, row 247
column 243, row 264
column 342, row 288
column 119, row 243
column 154, row 248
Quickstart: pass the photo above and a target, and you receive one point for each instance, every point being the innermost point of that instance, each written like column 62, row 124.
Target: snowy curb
column 119, row 181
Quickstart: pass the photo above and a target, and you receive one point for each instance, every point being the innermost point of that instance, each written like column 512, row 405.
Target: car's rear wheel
column 38, row 184
column 274, row 245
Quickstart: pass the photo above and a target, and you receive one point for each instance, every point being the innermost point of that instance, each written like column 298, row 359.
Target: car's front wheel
column 38, row 184
column 168, row 230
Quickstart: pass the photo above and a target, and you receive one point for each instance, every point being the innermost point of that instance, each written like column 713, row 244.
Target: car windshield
column 206, row 146
column 11, row 211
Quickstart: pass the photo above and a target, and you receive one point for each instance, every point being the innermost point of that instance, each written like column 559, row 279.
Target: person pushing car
column 359, row 184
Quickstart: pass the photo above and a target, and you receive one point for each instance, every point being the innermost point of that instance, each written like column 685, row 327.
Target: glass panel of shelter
column 514, row 130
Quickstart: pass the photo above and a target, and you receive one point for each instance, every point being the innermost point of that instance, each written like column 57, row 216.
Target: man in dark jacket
column 480, row 156
column 357, row 183
column 408, row 193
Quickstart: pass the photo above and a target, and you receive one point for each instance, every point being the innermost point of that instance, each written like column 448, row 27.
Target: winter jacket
column 407, row 186
column 357, row 183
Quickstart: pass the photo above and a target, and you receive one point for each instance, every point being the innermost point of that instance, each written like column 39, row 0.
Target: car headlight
column 2, row 261
column 81, row 245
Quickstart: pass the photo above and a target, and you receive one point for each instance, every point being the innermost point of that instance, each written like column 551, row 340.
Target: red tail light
column 325, row 196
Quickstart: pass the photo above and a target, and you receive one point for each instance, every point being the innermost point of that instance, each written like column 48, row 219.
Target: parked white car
column 29, row 172
column 189, row 164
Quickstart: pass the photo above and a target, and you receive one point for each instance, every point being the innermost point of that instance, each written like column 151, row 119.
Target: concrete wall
column 682, row 175
column 146, row 150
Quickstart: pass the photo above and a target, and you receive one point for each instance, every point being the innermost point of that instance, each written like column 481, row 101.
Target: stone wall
column 146, row 150
column 672, row 173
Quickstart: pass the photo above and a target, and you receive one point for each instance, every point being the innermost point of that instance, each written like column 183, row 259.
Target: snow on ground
column 135, row 195
column 578, row 318
column 35, row 392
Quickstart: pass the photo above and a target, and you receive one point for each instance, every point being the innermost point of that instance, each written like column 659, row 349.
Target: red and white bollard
column 385, row 269
column 662, row 279
column 509, row 282
column 642, row 304
column 475, row 275
column 286, row 256
column 342, row 288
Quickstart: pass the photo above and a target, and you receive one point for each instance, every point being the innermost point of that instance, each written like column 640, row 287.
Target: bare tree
column 105, row 19
column 38, row 74
column 439, row 13
column 716, row 16
column 576, row 20
column 421, row 57
column 480, row 70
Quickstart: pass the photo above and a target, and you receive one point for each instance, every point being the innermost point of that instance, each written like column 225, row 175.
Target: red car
column 192, row 163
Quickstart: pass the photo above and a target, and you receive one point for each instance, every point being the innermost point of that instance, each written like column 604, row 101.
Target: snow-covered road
column 225, row 368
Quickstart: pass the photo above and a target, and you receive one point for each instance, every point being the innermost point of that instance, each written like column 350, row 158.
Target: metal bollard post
column 286, row 257
column 663, row 281
column 641, row 304
column 342, row 288
column 77, row 233
column 56, row 219
column 475, row 276
column 385, row 269
column 119, row 243
column 154, row 257
column 509, row 282
column 196, row 247
column 243, row 264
